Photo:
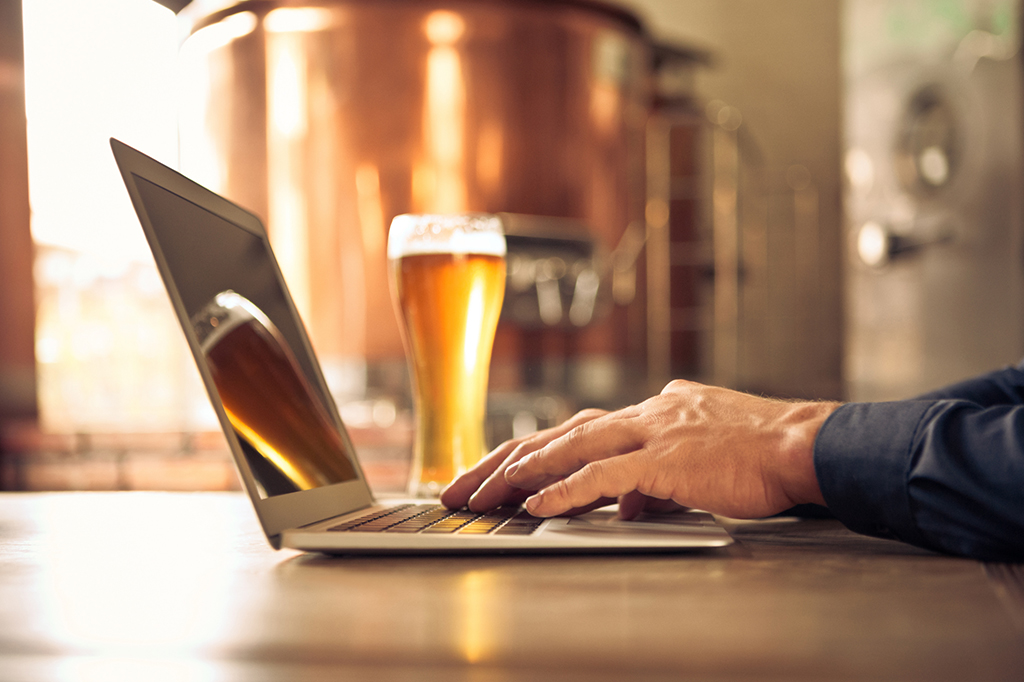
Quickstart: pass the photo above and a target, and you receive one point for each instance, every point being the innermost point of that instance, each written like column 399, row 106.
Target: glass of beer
column 448, row 283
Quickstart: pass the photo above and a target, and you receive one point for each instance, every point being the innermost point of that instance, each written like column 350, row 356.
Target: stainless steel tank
column 935, row 279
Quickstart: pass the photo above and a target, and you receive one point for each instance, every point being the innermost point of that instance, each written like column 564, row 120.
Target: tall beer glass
column 448, row 283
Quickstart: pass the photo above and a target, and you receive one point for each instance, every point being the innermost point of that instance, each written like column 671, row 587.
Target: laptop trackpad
column 676, row 522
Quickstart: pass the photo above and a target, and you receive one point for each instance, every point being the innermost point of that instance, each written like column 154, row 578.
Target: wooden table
column 181, row 586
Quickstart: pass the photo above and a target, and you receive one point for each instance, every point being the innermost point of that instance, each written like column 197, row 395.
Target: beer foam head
column 477, row 233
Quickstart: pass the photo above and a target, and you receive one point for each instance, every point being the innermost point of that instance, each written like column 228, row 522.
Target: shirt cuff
column 863, row 456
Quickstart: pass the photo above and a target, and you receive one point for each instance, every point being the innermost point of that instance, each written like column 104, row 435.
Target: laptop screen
column 251, row 344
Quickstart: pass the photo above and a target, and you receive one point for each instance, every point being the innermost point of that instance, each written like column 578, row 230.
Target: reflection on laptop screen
column 249, row 342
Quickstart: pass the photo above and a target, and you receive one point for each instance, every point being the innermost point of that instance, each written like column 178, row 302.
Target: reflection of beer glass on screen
column 294, row 444
column 448, row 283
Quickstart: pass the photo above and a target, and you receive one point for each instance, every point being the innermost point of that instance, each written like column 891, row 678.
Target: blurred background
column 801, row 198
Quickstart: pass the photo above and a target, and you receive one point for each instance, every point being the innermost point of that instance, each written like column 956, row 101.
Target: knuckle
column 593, row 482
column 657, row 484
column 676, row 386
column 520, row 451
column 590, row 475
column 576, row 442
column 574, row 435
column 652, row 412
column 530, row 446
column 590, row 413
column 652, row 479
column 560, row 492
column 508, row 445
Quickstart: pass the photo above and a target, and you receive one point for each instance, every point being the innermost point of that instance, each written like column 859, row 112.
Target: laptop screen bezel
column 280, row 512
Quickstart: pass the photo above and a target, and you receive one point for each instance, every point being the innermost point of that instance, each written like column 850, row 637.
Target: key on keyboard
column 434, row 518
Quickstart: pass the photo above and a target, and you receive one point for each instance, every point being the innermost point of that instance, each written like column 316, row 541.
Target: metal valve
column 878, row 244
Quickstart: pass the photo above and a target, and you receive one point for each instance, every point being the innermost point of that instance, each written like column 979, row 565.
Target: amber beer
column 448, row 281
column 268, row 400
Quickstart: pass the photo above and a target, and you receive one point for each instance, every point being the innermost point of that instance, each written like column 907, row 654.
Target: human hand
column 484, row 487
column 698, row 446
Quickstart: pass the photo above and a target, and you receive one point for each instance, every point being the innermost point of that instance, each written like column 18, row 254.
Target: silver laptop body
column 225, row 284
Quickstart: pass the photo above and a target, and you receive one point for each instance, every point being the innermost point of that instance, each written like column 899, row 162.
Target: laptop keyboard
column 434, row 518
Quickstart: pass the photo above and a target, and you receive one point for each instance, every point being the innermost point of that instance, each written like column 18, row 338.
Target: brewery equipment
column 934, row 164
column 329, row 118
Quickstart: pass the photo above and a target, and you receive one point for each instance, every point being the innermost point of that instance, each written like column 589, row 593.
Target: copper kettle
column 329, row 118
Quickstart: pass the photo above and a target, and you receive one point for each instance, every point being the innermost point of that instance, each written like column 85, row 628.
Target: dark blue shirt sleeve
column 945, row 471
column 1002, row 387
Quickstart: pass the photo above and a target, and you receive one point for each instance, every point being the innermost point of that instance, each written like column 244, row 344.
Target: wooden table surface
column 182, row 586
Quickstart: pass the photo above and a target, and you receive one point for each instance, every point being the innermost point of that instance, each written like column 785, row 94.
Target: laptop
column 293, row 455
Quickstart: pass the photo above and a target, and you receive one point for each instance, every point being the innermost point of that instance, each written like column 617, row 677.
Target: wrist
column 796, row 462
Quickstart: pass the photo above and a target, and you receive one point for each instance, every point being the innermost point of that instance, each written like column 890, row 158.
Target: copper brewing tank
column 329, row 118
